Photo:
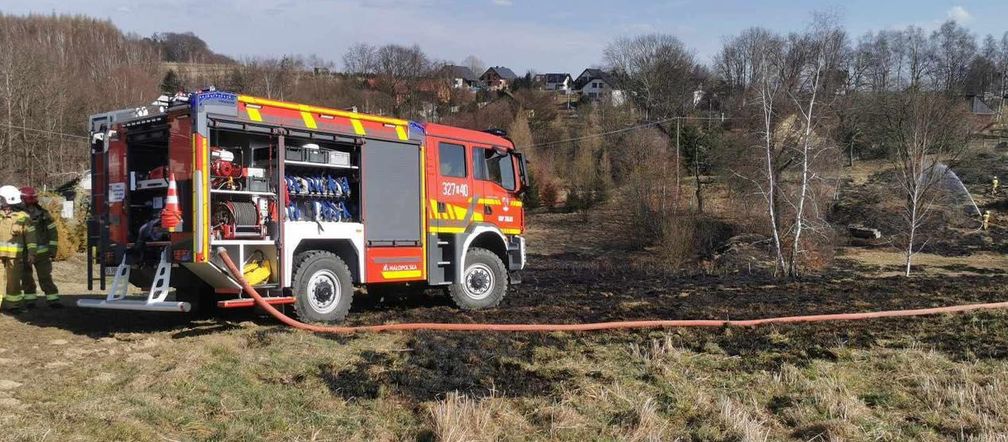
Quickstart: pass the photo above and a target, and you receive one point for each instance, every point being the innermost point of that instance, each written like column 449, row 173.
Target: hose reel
column 237, row 219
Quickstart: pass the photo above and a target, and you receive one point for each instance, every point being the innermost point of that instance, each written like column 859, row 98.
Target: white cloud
column 960, row 15
column 502, row 2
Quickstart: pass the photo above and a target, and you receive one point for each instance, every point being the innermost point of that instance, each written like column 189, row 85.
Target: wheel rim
column 479, row 281
column 323, row 291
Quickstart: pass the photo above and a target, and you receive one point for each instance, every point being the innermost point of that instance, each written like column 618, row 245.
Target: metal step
column 116, row 298
column 238, row 303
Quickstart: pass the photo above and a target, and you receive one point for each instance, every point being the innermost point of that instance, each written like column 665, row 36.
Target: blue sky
column 544, row 35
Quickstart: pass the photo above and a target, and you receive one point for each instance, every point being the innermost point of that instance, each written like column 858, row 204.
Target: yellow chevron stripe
column 309, row 120
column 254, row 114
column 401, row 131
column 433, row 206
column 320, row 110
column 358, row 127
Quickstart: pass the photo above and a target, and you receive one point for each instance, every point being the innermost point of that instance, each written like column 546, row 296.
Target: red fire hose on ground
column 618, row 325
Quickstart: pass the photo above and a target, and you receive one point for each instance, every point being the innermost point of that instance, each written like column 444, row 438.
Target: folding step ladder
column 155, row 302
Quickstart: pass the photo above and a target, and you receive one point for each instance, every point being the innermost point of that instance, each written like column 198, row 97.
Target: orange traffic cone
column 171, row 214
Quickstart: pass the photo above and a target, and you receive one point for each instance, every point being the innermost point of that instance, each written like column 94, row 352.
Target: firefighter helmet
column 28, row 195
column 10, row 195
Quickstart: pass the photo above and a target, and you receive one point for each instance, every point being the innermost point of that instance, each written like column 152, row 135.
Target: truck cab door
column 450, row 188
column 496, row 184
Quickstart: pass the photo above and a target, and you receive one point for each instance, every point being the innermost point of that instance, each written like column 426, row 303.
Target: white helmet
column 10, row 195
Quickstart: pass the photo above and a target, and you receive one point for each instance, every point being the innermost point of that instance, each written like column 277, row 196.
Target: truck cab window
column 492, row 166
column 452, row 160
column 479, row 157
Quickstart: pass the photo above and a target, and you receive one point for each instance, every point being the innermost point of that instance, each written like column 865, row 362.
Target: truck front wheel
column 484, row 281
column 323, row 287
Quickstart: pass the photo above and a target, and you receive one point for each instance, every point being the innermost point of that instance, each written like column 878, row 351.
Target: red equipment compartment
column 395, row 264
column 118, row 182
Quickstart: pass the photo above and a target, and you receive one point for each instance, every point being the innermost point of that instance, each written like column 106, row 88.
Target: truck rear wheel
column 484, row 281
column 323, row 287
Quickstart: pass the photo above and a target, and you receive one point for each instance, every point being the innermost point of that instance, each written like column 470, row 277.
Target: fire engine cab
column 315, row 202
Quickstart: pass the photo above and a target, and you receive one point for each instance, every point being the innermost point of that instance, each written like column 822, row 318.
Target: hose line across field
column 597, row 326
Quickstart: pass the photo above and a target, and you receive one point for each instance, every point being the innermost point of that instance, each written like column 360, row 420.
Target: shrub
column 54, row 205
column 549, row 193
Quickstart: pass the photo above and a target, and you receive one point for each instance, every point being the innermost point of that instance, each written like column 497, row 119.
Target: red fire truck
column 315, row 202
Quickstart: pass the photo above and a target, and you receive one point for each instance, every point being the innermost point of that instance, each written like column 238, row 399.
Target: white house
column 461, row 77
column 597, row 84
column 560, row 82
column 498, row 78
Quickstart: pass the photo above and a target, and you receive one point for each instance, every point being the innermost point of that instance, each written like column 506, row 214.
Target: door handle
column 487, row 210
column 441, row 207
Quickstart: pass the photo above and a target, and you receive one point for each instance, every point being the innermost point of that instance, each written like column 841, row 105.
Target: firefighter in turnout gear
column 17, row 245
column 45, row 234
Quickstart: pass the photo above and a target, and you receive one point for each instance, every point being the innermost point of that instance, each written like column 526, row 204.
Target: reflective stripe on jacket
column 45, row 228
column 17, row 235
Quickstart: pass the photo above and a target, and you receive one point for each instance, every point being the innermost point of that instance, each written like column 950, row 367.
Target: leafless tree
column 474, row 64
column 954, row 48
column 656, row 70
column 739, row 62
column 819, row 54
column 916, row 57
column 769, row 84
column 360, row 59
column 928, row 132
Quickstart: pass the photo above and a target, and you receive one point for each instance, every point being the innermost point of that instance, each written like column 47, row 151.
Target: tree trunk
column 696, row 174
column 800, row 212
column 910, row 241
column 677, row 166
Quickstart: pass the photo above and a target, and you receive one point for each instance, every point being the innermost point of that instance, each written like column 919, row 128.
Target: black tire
column 484, row 281
column 323, row 287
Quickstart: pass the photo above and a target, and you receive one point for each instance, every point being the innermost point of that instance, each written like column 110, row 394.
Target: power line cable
column 625, row 129
column 30, row 129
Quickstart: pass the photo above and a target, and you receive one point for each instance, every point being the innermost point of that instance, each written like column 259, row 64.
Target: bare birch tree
column 818, row 53
column 927, row 132
column 770, row 84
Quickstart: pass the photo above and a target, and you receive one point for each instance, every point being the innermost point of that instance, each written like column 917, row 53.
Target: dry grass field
column 93, row 375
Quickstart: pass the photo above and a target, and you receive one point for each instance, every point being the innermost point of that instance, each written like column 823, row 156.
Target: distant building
column 698, row 96
column 597, row 84
column 498, row 78
column 978, row 106
column 555, row 82
column 461, row 77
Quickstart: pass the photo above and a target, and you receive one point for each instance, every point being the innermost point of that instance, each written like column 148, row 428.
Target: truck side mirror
column 522, row 174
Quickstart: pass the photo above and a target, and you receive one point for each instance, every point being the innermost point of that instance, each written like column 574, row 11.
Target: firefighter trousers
column 43, row 267
column 12, row 273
